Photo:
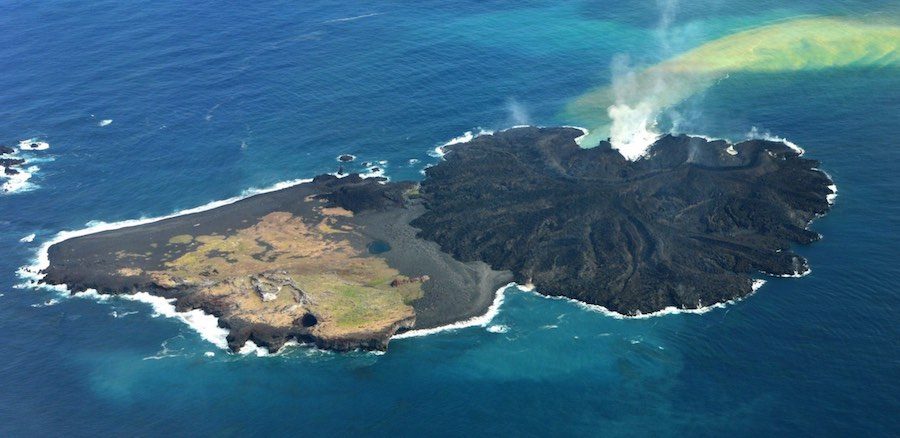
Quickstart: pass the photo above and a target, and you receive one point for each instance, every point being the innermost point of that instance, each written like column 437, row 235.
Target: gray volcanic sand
column 456, row 290
column 88, row 261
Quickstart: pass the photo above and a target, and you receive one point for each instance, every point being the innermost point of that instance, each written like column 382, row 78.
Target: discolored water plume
column 627, row 109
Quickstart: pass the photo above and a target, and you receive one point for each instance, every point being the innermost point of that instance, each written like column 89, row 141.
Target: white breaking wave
column 485, row 319
column 476, row 321
column 467, row 136
column 833, row 187
column 27, row 239
column 33, row 144
column 250, row 347
column 585, row 133
column 19, row 182
column 116, row 314
column 671, row 310
column 48, row 303
column 798, row 274
column 498, row 328
column 204, row 324
column 755, row 133
column 104, row 122
column 353, row 18
column 372, row 172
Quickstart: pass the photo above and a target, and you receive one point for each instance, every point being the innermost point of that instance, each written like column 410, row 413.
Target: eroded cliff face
column 686, row 226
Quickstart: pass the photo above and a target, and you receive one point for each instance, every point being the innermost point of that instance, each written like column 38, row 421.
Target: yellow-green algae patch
column 805, row 44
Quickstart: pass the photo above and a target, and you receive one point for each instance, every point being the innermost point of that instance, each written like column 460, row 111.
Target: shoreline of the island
column 207, row 325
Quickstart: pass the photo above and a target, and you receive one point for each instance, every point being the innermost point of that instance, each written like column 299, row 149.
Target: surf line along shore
column 346, row 263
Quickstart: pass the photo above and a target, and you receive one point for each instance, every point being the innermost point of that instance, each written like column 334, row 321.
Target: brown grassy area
column 345, row 288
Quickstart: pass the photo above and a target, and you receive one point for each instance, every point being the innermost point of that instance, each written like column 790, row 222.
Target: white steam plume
column 633, row 115
column 518, row 114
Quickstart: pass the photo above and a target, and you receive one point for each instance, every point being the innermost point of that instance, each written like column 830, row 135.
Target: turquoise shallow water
column 207, row 101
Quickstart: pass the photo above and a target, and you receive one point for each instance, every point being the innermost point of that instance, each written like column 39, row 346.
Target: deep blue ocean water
column 208, row 100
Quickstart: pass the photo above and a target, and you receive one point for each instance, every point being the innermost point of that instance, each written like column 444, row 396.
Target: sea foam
column 477, row 321
column 203, row 323
column 353, row 18
column 438, row 151
column 486, row 319
column 671, row 310
column 20, row 181
column 33, row 144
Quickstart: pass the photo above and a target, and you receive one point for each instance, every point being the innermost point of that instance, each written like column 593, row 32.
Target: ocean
column 151, row 109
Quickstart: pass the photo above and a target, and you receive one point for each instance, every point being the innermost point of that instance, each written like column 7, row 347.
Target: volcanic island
column 346, row 263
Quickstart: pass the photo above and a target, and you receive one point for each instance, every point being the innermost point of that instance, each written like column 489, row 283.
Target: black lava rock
column 9, row 162
column 686, row 226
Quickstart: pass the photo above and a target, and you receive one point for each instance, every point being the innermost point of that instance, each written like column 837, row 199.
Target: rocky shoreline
column 346, row 263
column 276, row 291
column 686, row 226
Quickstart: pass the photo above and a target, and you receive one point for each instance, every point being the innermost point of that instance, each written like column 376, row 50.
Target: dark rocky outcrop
column 358, row 194
column 9, row 162
column 6, row 150
column 686, row 226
